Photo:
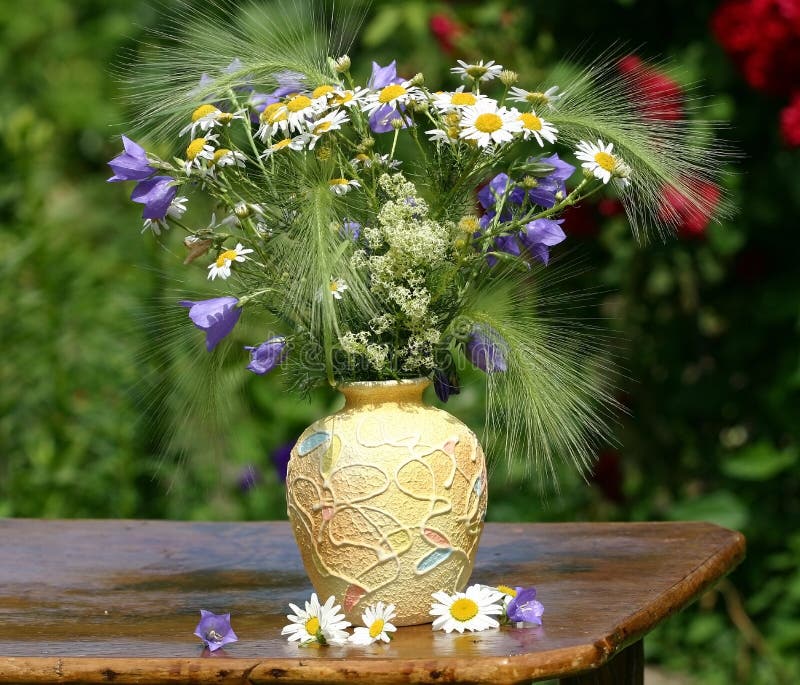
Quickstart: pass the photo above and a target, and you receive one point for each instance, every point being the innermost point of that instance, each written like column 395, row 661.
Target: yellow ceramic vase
column 387, row 499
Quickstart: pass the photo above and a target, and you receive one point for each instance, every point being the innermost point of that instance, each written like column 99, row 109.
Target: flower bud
column 508, row 77
column 398, row 123
column 342, row 64
column 417, row 80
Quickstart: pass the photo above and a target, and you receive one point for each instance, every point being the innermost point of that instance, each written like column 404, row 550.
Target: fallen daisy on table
column 318, row 623
column 470, row 610
column 377, row 626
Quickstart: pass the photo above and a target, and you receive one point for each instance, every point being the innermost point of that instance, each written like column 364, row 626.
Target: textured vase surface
column 387, row 499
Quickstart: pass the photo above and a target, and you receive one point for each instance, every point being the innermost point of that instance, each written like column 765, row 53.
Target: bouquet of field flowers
column 396, row 229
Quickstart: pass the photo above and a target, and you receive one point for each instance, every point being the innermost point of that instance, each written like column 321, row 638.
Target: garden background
column 94, row 392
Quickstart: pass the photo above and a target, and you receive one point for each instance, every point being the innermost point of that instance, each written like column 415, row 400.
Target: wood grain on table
column 117, row 601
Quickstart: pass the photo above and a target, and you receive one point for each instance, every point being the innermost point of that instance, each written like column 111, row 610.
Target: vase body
column 386, row 499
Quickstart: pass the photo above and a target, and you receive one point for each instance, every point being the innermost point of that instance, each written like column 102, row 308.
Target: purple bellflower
column 486, row 349
column 216, row 317
column 267, row 355
column 156, row 194
column 524, row 607
column 350, row 230
column 445, row 385
column 540, row 235
column 215, row 630
column 380, row 121
column 131, row 165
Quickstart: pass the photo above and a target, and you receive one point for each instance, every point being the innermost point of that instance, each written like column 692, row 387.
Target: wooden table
column 118, row 601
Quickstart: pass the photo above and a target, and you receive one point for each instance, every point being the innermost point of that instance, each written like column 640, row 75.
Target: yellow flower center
column 195, row 148
column 376, row 628
column 312, row 625
column 537, row 98
column 390, row 93
column 227, row 256
column 343, row 98
column 282, row 144
column 605, row 161
column 319, row 91
column 322, row 127
column 531, row 121
column 463, row 99
column 469, row 224
column 510, row 591
column 476, row 70
column 489, row 123
column 202, row 111
column 225, row 117
column 273, row 113
column 463, row 609
column 219, row 154
column 298, row 103
column 338, row 182
column 334, row 286
column 452, row 119
column 361, row 157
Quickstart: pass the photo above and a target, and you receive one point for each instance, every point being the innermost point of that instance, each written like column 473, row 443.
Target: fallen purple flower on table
column 524, row 607
column 131, row 165
column 215, row 630
column 216, row 317
column 267, row 355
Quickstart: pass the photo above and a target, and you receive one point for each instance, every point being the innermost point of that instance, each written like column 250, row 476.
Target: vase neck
column 380, row 392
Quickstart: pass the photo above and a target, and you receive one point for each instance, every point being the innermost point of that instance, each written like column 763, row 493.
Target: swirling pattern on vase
column 387, row 499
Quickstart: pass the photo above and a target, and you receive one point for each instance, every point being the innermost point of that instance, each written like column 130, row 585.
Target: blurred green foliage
column 95, row 376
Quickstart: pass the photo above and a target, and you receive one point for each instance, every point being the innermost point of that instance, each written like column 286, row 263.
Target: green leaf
column 758, row 462
column 720, row 507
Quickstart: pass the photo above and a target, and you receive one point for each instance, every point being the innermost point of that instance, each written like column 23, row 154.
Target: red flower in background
column 689, row 218
column 790, row 121
column 657, row 96
column 763, row 39
column 446, row 31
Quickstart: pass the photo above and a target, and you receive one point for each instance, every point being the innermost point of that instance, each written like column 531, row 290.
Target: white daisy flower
column 206, row 117
column 273, row 119
column 488, row 123
column 535, row 98
column 225, row 157
column 222, row 266
column 332, row 121
column 458, row 99
column 318, row 623
column 395, row 95
column 337, row 286
column 441, row 135
column 374, row 159
column 376, row 625
column 349, row 98
column 601, row 161
column 341, row 186
column 537, row 127
column 479, row 71
column 175, row 210
column 199, row 152
column 296, row 143
column 300, row 109
column 470, row 610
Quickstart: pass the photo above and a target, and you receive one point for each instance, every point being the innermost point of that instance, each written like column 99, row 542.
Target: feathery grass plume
column 678, row 156
column 554, row 402
column 231, row 44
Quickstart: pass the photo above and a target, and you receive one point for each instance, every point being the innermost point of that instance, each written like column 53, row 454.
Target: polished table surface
column 91, row 601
